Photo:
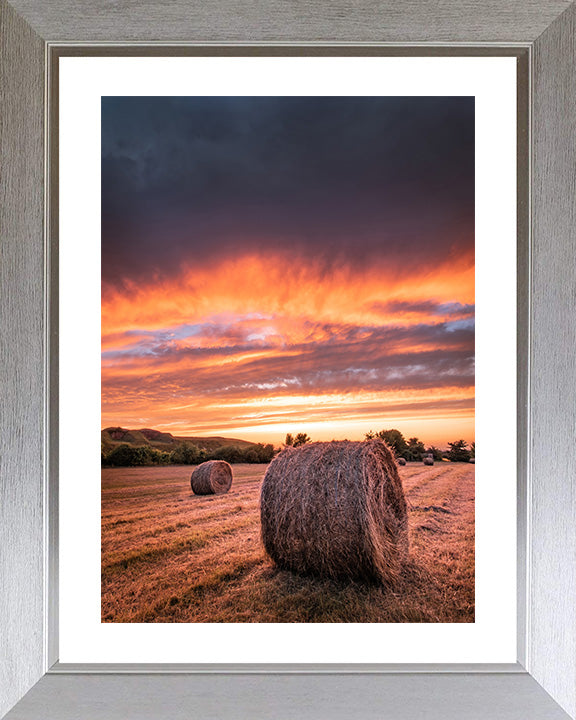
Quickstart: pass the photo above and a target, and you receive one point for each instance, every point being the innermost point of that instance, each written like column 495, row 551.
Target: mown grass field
column 171, row 556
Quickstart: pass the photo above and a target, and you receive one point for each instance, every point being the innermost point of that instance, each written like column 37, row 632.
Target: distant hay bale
column 336, row 510
column 427, row 460
column 211, row 478
column 401, row 461
column 472, row 460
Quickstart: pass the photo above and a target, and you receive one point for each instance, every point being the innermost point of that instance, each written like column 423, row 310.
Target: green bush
column 251, row 456
column 187, row 454
column 265, row 453
column 130, row 456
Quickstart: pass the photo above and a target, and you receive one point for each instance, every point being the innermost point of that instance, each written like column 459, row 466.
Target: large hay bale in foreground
column 401, row 461
column 337, row 510
column 211, row 478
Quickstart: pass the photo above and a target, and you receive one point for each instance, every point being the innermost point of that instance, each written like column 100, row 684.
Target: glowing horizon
column 450, row 431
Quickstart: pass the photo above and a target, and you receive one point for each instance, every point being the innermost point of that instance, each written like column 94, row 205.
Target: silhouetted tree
column 301, row 439
column 458, row 451
column 415, row 450
column 435, row 452
column 393, row 438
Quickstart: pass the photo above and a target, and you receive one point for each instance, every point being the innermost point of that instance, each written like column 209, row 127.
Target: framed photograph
column 286, row 268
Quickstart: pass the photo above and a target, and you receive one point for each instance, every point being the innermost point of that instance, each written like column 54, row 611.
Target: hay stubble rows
column 171, row 556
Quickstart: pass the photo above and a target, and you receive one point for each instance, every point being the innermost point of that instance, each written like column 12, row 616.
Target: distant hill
column 113, row 436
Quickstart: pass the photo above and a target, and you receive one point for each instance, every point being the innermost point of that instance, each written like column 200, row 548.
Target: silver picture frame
column 33, row 684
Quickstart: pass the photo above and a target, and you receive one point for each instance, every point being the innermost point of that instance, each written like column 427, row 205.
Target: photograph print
column 288, row 350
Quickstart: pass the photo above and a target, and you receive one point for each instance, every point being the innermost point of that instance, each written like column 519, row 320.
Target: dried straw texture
column 336, row 510
column 428, row 461
column 401, row 461
column 211, row 478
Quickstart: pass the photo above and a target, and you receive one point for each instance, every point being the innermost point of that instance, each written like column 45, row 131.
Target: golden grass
column 171, row 556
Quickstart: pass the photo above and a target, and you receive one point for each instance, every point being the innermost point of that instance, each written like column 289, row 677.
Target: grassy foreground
column 171, row 556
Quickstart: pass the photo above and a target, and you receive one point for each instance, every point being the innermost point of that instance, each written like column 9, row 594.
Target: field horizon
column 112, row 436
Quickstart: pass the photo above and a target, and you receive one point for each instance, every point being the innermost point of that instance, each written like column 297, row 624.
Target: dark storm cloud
column 348, row 180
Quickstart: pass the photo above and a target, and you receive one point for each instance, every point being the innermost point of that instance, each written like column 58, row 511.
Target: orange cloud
column 257, row 346
column 273, row 285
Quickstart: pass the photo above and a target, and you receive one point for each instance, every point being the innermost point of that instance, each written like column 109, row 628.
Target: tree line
column 413, row 449
column 185, row 454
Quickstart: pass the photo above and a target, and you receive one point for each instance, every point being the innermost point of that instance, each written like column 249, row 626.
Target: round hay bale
column 211, row 478
column 335, row 509
column 401, row 461
column 472, row 460
column 428, row 461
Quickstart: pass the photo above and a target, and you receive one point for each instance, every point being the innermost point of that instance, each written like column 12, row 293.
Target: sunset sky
column 274, row 265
